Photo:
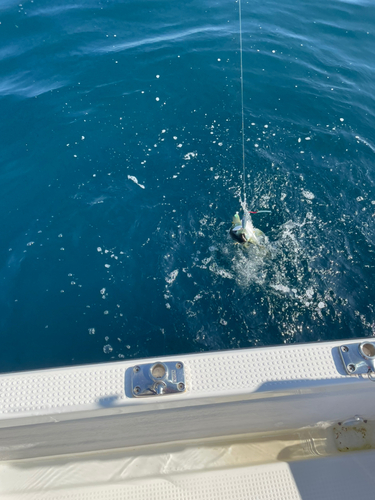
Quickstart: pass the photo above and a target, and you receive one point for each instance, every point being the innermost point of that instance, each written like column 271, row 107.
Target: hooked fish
column 243, row 230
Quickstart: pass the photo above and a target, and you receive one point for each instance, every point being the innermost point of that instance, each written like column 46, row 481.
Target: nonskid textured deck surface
column 341, row 477
column 210, row 374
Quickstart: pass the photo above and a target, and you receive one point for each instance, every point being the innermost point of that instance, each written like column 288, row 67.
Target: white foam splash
column 172, row 276
column 189, row 156
column 308, row 194
column 135, row 180
column 310, row 293
column 360, row 139
column 281, row 288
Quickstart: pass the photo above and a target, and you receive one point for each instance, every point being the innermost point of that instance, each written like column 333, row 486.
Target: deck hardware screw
column 181, row 386
column 137, row 390
column 178, row 366
column 136, row 369
column 351, row 368
column 344, row 348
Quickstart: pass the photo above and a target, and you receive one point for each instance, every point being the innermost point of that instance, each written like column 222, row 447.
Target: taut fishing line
column 243, row 230
column 243, row 113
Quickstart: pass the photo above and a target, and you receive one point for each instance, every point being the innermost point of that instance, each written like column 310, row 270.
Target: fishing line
column 243, row 230
column 242, row 107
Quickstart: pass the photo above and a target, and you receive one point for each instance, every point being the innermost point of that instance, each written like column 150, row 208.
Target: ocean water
column 120, row 172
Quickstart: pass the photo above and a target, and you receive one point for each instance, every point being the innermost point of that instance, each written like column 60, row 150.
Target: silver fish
column 243, row 230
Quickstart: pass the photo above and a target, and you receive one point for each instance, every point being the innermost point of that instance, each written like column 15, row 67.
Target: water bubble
column 309, row 293
column 107, row 349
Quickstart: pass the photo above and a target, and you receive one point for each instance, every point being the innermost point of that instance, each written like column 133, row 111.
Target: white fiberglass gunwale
column 227, row 393
column 226, row 375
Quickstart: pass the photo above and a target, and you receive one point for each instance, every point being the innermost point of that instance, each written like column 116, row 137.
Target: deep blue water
column 97, row 94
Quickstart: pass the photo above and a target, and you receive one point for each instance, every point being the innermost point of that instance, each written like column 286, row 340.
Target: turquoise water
column 121, row 170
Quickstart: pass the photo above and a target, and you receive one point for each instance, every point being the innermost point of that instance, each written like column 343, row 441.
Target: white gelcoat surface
column 331, row 478
column 245, row 428
column 224, row 373
column 89, row 408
